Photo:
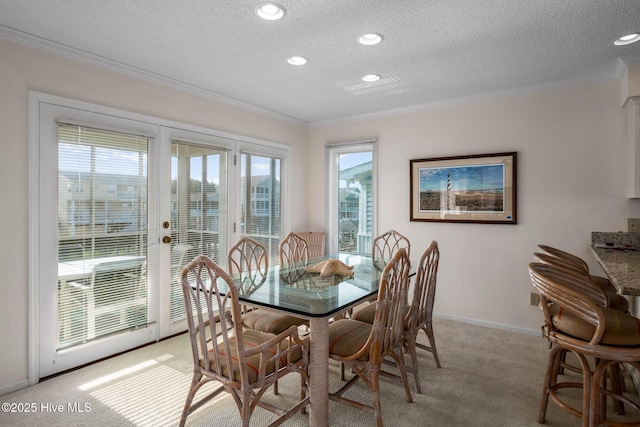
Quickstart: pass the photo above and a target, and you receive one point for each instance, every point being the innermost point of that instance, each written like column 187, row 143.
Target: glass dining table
column 297, row 292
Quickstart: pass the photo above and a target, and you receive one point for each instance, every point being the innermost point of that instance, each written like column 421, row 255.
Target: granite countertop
column 621, row 265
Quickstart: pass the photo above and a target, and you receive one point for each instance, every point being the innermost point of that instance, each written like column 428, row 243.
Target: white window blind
column 199, row 210
column 101, row 233
column 261, row 200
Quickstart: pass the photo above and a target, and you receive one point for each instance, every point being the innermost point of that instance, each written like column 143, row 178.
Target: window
column 352, row 197
column 260, row 200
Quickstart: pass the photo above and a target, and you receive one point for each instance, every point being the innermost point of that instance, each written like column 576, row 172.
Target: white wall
column 23, row 69
column 571, row 148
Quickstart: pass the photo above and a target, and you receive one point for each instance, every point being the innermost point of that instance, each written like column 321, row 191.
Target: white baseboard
column 14, row 387
column 488, row 324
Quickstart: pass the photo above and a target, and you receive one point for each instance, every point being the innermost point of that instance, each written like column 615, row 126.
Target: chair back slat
column 294, row 251
column 386, row 245
column 575, row 260
column 246, row 363
column 569, row 292
column 594, row 292
column 206, row 285
column 391, row 306
column 315, row 242
column 424, row 291
column 248, row 261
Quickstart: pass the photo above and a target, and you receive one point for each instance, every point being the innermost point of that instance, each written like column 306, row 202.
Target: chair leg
column 192, row 393
column 399, row 358
column 374, row 388
column 303, row 392
column 587, row 383
column 555, row 353
column 411, row 347
column 245, row 410
column 428, row 328
column 617, row 385
column 599, row 374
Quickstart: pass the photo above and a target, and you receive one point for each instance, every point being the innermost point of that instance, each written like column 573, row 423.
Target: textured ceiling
column 435, row 52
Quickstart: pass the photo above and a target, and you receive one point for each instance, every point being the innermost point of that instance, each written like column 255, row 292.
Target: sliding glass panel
column 101, row 233
column 261, row 201
column 199, row 210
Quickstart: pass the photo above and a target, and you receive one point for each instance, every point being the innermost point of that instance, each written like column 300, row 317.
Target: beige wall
column 24, row 69
column 630, row 84
column 571, row 148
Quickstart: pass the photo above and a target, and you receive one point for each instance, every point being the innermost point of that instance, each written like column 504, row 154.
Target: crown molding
column 631, row 60
column 60, row 49
column 615, row 74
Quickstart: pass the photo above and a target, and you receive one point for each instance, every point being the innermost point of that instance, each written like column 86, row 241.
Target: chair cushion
column 620, row 328
column 366, row 314
column 617, row 301
column 250, row 339
column 270, row 322
column 348, row 336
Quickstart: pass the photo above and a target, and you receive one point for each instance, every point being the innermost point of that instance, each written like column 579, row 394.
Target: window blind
column 261, row 200
column 199, row 210
column 101, row 233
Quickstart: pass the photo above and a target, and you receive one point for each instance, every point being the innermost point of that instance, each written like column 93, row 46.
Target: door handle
column 166, row 239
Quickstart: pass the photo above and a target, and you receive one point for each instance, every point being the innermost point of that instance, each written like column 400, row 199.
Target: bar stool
column 579, row 323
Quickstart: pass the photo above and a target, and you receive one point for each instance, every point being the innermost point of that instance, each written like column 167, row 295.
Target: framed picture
column 478, row 188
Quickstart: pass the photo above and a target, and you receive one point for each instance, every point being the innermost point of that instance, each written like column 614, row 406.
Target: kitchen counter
column 622, row 268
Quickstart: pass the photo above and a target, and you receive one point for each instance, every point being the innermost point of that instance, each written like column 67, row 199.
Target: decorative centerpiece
column 331, row 267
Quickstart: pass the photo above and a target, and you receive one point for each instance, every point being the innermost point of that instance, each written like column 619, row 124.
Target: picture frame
column 469, row 189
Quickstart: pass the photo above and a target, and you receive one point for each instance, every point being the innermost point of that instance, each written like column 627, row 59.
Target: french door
column 195, row 214
column 123, row 203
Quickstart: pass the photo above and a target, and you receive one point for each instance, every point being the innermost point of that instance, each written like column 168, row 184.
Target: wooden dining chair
column 362, row 346
column 386, row 244
column 420, row 314
column 246, row 363
column 294, row 251
column 576, row 321
column 383, row 248
column 315, row 242
column 248, row 262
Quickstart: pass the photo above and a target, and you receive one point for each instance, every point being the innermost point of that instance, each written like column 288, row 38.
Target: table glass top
column 308, row 294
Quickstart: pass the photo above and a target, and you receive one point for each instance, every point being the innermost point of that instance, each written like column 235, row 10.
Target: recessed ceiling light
column 370, row 39
column 297, row 60
column 371, row 78
column 270, row 11
column 628, row 39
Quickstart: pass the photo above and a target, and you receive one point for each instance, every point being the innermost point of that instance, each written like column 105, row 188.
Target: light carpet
column 489, row 378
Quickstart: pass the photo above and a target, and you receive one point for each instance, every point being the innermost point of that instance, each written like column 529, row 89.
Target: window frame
column 332, row 153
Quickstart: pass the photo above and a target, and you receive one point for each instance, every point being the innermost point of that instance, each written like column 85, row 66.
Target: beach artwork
column 478, row 188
